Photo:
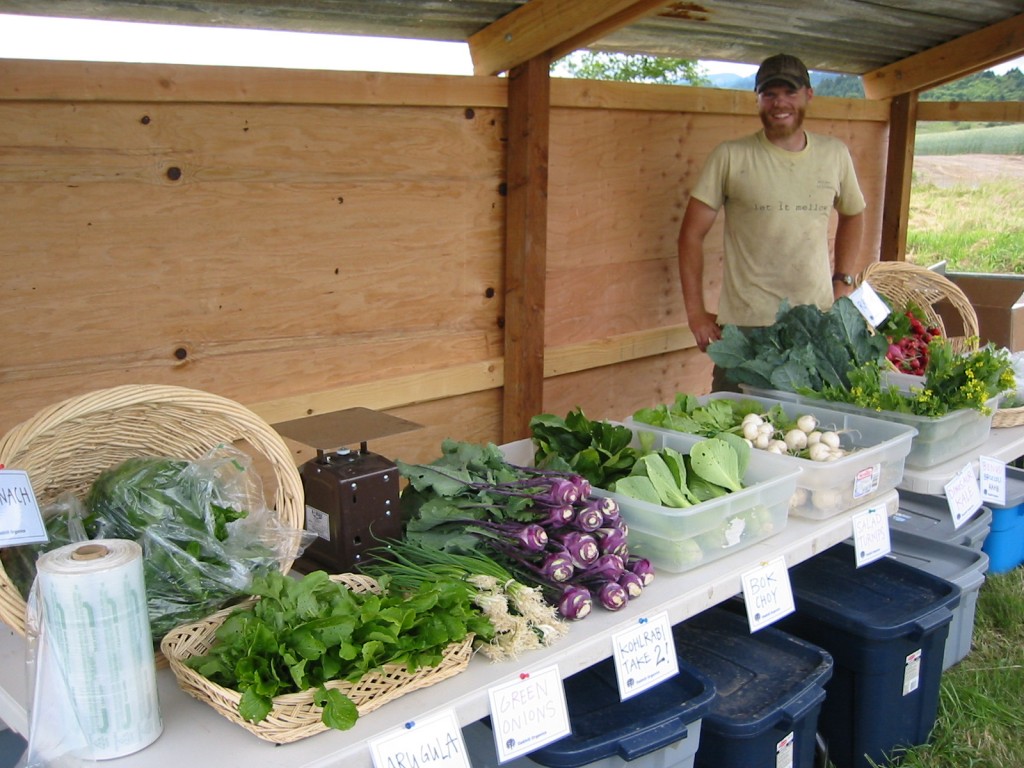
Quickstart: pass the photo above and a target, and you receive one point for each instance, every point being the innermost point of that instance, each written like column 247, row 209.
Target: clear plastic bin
column 679, row 539
column 873, row 467
column 938, row 439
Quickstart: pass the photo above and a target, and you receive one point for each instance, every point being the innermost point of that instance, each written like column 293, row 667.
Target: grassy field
column 969, row 138
column 974, row 229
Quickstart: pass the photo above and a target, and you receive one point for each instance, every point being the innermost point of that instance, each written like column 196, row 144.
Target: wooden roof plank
column 542, row 26
column 949, row 61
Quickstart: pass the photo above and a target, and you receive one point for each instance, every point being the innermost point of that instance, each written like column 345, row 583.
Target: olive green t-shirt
column 777, row 210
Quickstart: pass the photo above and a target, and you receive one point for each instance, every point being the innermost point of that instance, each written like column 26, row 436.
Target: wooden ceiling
column 897, row 46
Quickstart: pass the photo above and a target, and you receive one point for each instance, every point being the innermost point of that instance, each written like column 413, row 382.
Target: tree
column 630, row 68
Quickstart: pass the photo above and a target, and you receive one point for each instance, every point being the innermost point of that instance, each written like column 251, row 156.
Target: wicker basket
column 901, row 283
column 65, row 446
column 294, row 716
column 1005, row 418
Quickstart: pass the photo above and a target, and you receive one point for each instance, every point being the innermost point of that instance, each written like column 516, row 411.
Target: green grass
column 973, row 229
column 981, row 699
column 992, row 140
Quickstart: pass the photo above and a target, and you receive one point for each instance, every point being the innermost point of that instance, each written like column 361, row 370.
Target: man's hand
column 705, row 329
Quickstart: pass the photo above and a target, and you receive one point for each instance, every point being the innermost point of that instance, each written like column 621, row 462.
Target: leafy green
column 713, row 468
column 181, row 518
column 303, row 633
column 600, row 451
column 806, row 348
column 717, row 462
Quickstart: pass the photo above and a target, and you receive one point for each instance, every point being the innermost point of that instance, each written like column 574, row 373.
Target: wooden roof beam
column 949, row 61
column 555, row 27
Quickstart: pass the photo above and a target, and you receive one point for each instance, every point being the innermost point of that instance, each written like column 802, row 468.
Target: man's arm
column 849, row 233
column 697, row 222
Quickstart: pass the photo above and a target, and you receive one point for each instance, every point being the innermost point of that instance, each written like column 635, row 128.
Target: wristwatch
column 842, row 277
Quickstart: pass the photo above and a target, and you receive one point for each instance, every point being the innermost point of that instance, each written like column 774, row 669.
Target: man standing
column 778, row 188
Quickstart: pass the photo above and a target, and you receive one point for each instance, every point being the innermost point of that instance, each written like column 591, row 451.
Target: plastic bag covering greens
column 203, row 526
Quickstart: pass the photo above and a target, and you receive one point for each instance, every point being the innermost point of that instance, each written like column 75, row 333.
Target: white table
column 195, row 735
column 1004, row 444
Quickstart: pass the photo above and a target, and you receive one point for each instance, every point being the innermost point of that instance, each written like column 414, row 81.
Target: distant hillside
column 981, row 86
column 736, row 82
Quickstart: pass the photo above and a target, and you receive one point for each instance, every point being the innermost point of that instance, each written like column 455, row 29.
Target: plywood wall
column 304, row 242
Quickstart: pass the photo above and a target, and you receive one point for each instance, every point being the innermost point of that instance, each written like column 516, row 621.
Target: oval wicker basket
column 66, row 445
column 1004, row 418
column 294, row 716
column 901, row 283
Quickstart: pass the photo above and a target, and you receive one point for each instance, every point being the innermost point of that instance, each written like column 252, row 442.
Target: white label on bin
column 866, row 481
column 528, row 713
column 992, row 480
column 912, row 672
column 20, row 519
column 645, row 655
column 435, row 740
column 318, row 522
column 963, row 495
column 784, row 752
column 871, row 535
column 767, row 593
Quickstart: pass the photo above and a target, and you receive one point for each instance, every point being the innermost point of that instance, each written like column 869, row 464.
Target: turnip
column 813, row 438
column 831, row 439
column 750, row 430
column 778, row 446
column 827, row 498
column 796, row 440
column 762, row 441
column 819, row 452
column 752, row 418
column 806, row 423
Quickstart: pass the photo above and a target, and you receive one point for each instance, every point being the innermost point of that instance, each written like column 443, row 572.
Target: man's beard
column 776, row 131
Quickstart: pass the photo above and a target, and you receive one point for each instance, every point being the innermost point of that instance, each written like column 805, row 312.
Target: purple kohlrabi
column 605, row 568
column 613, row 595
column 612, row 541
column 557, row 567
column 581, row 547
column 642, row 567
column 559, row 515
column 632, row 583
column 575, row 602
column 588, row 516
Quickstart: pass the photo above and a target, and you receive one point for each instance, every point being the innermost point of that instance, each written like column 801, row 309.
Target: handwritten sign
column 871, row 535
column 645, row 655
column 767, row 593
column 992, row 480
column 434, row 741
column 20, row 519
column 870, row 304
column 963, row 496
column 528, row 713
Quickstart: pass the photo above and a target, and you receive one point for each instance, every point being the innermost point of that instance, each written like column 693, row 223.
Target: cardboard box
column 998, row 301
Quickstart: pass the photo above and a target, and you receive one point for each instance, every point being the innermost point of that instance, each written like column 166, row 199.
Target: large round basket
column 65, row 446
column 295, row 716
column 901, row 283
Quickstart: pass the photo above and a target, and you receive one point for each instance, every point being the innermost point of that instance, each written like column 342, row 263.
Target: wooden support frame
column 899, row 170
column 526, row 221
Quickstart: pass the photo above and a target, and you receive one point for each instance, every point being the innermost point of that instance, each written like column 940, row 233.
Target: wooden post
column 898, row 175
column 526, row 224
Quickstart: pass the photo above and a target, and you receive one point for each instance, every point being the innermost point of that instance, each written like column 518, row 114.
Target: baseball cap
column 784, row 68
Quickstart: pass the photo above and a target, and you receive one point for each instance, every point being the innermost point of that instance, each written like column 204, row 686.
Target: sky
column 37, row 37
